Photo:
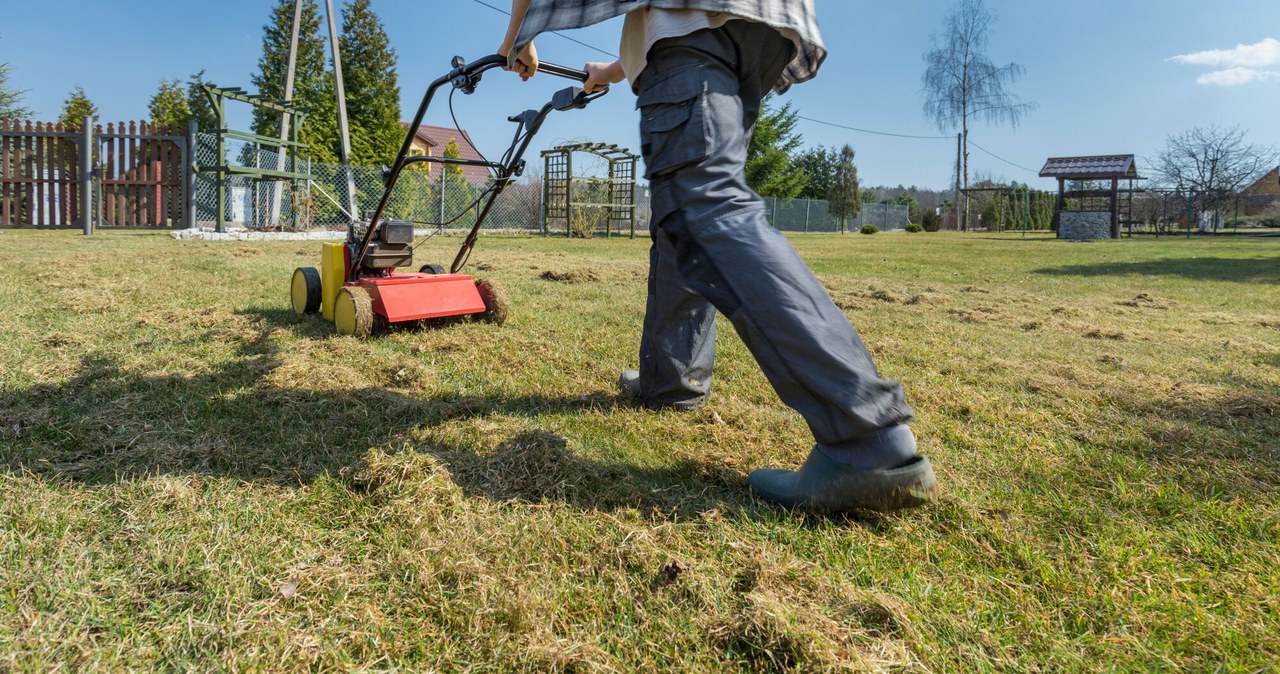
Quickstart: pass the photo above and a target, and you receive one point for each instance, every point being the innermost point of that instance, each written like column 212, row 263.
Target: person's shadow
column 248, row 419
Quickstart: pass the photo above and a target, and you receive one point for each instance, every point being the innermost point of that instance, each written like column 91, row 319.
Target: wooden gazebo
column 1089, row 222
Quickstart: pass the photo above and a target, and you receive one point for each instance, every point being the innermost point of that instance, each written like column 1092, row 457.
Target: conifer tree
column 168, row 106
column 452, row 151
column 845, row 199
column 313, row 82
column 198, row 104
column 770, row 169
column 372, row 90
column 76, row 107
column 10, row 99
column 819, row 166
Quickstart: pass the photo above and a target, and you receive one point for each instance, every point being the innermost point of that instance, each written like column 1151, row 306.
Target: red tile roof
column 437, row 137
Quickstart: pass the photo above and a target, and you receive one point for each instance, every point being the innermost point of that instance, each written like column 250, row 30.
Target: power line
column 1003, row 159
column 798, row 117
column 877, row 133
column 562, row 35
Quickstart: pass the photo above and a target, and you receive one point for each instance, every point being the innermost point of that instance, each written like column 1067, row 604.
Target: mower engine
column 391, row 247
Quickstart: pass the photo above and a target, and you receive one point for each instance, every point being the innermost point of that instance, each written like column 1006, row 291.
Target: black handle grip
column 562, row 71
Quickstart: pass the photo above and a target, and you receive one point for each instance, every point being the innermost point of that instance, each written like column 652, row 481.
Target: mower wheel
column 304, row 290
column 432, row 269
column 495, row 301
column 353, row 312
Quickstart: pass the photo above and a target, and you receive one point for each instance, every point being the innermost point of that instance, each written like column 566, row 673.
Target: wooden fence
column 142, row 175
column 39, row 174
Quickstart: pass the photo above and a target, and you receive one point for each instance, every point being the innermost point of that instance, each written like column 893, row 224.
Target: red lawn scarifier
column 358, row 284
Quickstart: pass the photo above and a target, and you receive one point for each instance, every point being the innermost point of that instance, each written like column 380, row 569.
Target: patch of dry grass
column 194, row 478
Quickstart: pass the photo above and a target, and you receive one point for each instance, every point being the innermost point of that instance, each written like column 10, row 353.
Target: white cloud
column 1236, row 76
column 1258, row 55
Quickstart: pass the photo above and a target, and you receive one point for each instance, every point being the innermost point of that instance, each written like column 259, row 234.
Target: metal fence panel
column 436, row 198
column 814, row 215
column 444, row 199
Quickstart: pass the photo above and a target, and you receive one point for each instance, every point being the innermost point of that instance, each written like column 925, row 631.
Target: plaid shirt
column 796, row 15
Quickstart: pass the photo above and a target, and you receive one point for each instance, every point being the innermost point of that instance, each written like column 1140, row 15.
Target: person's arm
column 600, row 75
column 526, row 62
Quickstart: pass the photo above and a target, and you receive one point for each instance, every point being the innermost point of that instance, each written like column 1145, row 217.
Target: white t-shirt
column 643, row 27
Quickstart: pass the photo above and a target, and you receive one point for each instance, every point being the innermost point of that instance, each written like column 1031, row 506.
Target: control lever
column 525, row 118
column 570, row 98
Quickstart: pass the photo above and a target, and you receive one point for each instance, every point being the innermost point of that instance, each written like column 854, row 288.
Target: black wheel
column 432, row 269
column 495, row 301
column 304, row 290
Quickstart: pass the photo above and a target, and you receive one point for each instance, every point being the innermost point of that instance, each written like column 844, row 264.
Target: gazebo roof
column 611, row 152
column 1122, row 166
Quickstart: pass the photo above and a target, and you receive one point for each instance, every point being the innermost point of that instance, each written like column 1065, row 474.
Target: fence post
column 310, row 175
column 634, row 163
column 568, row 196
column 86, row 175
column 189, row 175
column 808, row 204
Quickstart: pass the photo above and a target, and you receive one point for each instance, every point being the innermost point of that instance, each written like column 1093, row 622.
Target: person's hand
column 526, row 64
column 601, row 75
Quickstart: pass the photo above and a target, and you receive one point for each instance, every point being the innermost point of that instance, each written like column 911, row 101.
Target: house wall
column 421, row 147
column 1084, row 225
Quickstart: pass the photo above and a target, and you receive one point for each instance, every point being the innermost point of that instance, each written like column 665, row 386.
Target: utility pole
column 286, row 118
column 344, row 132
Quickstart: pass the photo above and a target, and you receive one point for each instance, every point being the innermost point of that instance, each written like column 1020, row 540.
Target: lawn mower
column 358, row 286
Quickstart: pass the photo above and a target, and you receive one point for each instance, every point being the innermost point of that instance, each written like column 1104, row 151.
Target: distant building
column 1262, row 197
column 431, row 141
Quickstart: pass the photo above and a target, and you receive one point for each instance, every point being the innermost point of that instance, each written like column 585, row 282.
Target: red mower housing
column 414, row 297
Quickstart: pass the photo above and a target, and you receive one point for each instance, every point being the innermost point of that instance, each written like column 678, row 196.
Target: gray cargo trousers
column 713, row 249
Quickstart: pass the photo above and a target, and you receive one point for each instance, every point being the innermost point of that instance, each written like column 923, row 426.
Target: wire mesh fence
column 441, row 198
column 814, row 215
column 337, row 194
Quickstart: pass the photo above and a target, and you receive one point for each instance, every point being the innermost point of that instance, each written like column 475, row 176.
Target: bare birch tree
column 962, row 84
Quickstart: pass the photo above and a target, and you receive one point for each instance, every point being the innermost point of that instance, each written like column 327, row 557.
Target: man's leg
column 698, row 99
column 678, row 344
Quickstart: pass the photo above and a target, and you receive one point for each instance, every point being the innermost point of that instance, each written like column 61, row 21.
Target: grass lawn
column 194, row 478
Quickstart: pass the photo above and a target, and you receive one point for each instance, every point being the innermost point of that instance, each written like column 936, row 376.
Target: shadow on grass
column 108, row 424
column 1239, row 270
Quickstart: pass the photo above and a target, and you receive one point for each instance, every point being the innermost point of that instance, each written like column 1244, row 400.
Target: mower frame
column 358, row 286
column 465, row 77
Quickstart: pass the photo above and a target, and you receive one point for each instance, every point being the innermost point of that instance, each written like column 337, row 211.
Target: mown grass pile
column 194, row 478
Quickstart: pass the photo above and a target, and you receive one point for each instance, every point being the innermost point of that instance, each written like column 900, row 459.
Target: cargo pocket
column 673, row 122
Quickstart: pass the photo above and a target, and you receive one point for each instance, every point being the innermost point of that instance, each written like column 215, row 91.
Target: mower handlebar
column 495, row 61
column 562, row 71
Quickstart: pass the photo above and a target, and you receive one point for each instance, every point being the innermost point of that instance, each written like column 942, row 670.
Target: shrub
column 931, row 222
column 869, row 229
column 586, row 221
column 914, row 228
column 1253, row 221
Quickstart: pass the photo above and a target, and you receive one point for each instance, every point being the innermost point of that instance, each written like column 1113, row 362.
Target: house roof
column 438, row 137
column 1091, row 168
column 1267, row 185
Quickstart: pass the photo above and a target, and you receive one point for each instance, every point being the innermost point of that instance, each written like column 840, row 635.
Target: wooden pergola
column 1097, row 168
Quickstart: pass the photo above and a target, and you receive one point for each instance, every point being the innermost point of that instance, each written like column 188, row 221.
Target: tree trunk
column 964, row 225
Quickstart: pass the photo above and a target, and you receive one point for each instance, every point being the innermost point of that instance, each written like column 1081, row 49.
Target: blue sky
column 1105, row 73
